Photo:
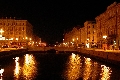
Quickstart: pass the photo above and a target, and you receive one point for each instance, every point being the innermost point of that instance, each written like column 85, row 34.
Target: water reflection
column 106, row 72
column 1, row 74
column 87, row 69
column 73, row 67
column 82, row 68
column 29, row 69
column 17, row 68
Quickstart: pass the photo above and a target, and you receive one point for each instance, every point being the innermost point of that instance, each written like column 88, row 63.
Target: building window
column 11, row 32
column 19, row 32
column 89, row 32
column 93, row 38
column 23, row 28
column 19, row 28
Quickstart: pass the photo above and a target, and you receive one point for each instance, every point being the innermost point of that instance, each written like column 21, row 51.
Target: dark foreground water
column 41, row 66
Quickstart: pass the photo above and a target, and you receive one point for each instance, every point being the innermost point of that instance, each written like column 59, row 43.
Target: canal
column 64, row 66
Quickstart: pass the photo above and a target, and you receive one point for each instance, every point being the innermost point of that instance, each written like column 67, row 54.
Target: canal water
column 64, row 66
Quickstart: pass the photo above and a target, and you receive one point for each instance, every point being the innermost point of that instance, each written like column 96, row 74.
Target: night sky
column 50, row 19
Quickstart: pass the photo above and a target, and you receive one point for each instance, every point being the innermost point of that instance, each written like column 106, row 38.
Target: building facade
column 108, row 24
column 90, row 34
column 15, row 31
column 72, row 38
column 82, row 37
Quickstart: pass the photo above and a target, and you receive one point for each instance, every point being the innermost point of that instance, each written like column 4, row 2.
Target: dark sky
column 51, row 18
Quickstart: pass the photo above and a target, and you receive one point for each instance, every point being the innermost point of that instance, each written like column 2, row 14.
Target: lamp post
column 105, row 43
column 77, row 42
column 87, row 44
column 1, row 31
column 73, row 42
column 63, row 42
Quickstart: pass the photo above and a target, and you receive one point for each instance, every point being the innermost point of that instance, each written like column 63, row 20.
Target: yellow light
column 87, row 39
column 16, row 38
column 106, row 72
column 26, row 37
column 77, row 38
column 30, row 39
column 1, row 31
column 73, row 39
column 17, row 67
column 104, row 37
column 73, row 55
column 1, row 71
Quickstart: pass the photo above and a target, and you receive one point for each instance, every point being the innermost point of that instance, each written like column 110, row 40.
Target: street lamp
column 73, row 40
column 77, row 42
column 105, row 37
column 105, row 45
column 1, row 31
column 87, row 44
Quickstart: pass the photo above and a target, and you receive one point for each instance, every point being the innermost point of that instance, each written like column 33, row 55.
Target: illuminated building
column 72, row 38
column 82, row 36
column 15, row 31
column 90, row 33
column 108, row 23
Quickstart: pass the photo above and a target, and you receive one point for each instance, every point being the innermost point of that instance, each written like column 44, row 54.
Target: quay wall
column 108, row 56
column 12, row 52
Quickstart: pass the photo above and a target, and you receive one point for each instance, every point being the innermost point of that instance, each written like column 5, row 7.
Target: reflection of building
column 17, row 31
column 90, row 33
column 108, row 23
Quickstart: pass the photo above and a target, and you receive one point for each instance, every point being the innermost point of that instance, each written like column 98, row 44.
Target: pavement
column 103, row 50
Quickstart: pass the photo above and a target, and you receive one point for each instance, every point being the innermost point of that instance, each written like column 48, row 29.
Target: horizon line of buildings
column 104, row 32
column 17, row 33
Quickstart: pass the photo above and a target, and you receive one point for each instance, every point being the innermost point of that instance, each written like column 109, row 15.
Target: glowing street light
column 105, row 45
column 30, row 39
column 104, row 37
column 73, row 40
column 87, row 39
column 77, row 38
column 1, row 31
column 17, row 39
column 26, row 37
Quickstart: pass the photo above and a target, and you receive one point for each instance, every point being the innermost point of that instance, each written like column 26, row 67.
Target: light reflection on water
column 105, row 72
column 79, row 68
column 76, row 67
column 73, row 67
column 17, row 68
column 29, row 68
column 87, row 69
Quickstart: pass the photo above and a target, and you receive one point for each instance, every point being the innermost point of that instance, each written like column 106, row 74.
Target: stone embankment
column 111, row 56
column 11, row 52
